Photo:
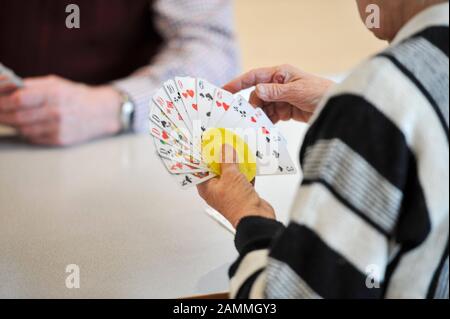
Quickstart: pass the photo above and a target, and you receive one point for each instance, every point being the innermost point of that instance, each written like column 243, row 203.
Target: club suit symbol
column 187, row 181
column 165, row 124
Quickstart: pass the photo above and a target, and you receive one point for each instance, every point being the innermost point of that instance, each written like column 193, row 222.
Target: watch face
column 127, row 114
column 128, row 108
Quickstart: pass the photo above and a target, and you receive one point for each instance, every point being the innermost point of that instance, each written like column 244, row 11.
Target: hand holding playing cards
column 56, row 112
column 283, row 92
column 233, row 196
column 190, row 118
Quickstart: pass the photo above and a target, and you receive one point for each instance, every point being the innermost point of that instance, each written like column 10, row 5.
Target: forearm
column 198, row 44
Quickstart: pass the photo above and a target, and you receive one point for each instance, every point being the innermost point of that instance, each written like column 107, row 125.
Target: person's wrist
column 322, row 90
column 262, row 209
column 112, row 104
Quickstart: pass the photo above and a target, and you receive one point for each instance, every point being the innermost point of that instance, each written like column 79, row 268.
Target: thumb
column 272, row 92
column 230, row 162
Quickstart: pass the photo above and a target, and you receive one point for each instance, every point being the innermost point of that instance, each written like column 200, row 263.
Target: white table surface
column 111, row 208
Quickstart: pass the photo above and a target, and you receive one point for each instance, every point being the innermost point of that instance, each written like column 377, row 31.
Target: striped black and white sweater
column 371, row 218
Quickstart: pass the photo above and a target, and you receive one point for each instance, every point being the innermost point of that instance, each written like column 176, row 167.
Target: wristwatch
column 127, row 110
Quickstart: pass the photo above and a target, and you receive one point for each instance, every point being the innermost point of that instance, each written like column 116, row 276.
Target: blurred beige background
column 321, row 36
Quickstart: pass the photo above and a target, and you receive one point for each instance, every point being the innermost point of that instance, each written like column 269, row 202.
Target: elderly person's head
column 393, row 14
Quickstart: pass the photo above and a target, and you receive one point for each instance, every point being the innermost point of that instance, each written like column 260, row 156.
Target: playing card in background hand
column 186, row 107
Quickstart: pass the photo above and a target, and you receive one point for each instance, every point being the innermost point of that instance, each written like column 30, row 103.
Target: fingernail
column 280, row 78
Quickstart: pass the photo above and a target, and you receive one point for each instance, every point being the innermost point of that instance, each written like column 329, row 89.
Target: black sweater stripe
column 438, row 36
column 254, row 233
column 329, row 274
column 414, row 224
column 378, row 141
column 384, row 147
column 246, row 288
column 437, row 274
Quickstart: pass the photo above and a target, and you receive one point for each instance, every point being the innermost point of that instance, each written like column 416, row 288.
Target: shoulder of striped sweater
column 379, row 75
column 360, row 81
column 430, row 42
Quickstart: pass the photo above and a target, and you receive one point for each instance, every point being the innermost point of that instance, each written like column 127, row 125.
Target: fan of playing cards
column 191, row 120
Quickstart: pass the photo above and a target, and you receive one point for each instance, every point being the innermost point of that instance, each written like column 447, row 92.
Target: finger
column 274, row 92
column 7, row 88
column 274, row 118
column 250, row 79
column 6, row 85
column 22, row 99
column 52, row 139
column 24, row 117
column 269, row 109
column 230, row 160
column 301, row 116
column 255, row 101
column 44, row 140
column 205, row 188
column 284, row 112
column 39, row 130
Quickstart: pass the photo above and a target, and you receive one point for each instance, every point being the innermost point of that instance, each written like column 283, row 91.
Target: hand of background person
column 232, row 195
column 283, row 92
column 56, row 112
